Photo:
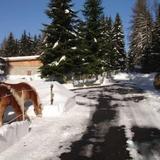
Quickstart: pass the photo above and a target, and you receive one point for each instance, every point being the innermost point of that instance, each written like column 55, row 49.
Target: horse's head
column 38, row 110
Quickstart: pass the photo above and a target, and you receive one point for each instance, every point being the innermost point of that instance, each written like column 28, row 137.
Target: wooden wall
column 24, row 67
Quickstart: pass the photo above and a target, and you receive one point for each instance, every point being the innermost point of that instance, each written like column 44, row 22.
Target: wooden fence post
column 52, row 94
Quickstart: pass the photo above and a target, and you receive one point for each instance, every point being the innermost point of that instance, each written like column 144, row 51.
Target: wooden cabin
column 25, row 65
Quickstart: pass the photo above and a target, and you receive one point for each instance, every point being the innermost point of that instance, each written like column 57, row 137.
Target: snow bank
column 63, row 99
column 143, row 81
column 20, row 78
column 10, row 134
column 63, row 96
column 121, row 76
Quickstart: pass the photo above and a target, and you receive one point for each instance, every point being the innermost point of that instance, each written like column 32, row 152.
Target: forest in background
column 71, row 47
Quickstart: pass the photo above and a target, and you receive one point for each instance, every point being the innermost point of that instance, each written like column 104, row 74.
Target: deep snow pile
column 63, row 98
column 10, row 134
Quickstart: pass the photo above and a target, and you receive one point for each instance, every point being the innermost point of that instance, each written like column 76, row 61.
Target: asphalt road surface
column 104, row 138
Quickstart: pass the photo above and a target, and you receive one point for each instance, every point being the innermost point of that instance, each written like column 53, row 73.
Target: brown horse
column 24, row 92
column 6, row 98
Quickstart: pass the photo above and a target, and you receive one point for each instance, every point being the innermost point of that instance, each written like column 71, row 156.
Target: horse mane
column 13, row 92
column 13, row 85
column 22, row 90
column 10, row 99
column 5, row 91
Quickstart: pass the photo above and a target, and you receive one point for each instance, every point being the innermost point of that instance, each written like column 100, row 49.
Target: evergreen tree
column 37, row 45
column 9, row 46
column 60, row 41
column 140, row 38
column 155, row 57
column 80, row 60
column 3, row 44
column 106, row 44
column 25, row 45
column 119, row 46
column 93, row 13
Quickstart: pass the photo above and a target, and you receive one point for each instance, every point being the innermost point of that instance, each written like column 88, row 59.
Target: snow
column 67, row 11
column 65, row 121
column 56, row 44
column 143, row 81
column 145, row 113
column 9, row 134
column 21, row 58
column 46, row 136
column 73, row 33
column 74, row 48
column 55, row 127
column 1, row 72
column 95, row 40
column 63, row 58
column 63, row 99
column 121, row 76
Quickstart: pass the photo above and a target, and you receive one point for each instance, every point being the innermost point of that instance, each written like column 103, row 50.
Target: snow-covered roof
column 21, row 58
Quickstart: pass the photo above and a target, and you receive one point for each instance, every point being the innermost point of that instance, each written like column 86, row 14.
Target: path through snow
column 124, row 126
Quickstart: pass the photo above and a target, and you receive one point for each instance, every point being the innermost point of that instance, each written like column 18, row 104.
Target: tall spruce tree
column 140, row 38
column 37, row 45
column 9, row 46
column 60, row 40
column 106, row 44
column 3, row 44
column 119, row 46
column 93, row 13
column 25, row 45
column 81, row 66
column 155, row 57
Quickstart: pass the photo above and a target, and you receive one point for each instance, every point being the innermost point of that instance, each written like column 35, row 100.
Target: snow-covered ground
column 62, row 123
column 52, row 135
column 145, row 82
column 48, row 134
column 144, row 114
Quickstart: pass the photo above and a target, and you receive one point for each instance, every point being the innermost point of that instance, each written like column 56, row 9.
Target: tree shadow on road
column 101, row 141
column 147, row 141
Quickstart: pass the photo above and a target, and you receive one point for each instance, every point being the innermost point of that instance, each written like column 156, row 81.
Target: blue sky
column 19, row 15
